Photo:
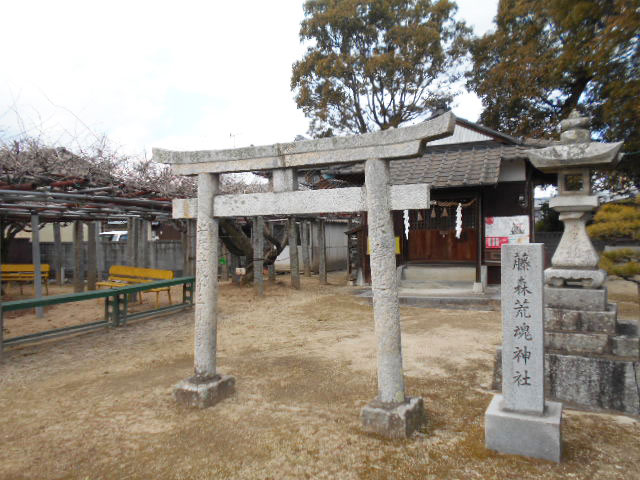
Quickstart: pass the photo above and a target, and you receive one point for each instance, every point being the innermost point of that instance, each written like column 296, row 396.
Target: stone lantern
column 575, row 262
column 592, row 359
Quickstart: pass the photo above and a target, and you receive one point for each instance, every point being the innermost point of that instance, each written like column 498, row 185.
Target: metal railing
column 116, row 308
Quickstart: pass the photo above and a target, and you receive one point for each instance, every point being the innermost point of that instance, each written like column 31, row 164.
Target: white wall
column 461, row 135
column 336, row 248
column 46, row 233
column 512, row 170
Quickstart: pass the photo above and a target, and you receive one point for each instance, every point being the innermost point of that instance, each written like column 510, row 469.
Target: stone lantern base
column 592, row 360
column 589, row 279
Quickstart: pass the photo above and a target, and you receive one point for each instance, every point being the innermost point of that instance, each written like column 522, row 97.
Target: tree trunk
column 8, row 232
column 238, row 243
column 78, row 254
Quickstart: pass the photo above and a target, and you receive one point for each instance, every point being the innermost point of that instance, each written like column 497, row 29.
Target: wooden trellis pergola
column 92, row 206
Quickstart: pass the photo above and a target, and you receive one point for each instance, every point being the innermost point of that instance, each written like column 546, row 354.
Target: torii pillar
column 391, row 413
column 206, row 387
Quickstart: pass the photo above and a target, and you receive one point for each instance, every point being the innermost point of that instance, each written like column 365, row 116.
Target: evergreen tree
column 546, row 57
column 617, row 221
column 614, row 222
column 375, row 64
column 550, row 221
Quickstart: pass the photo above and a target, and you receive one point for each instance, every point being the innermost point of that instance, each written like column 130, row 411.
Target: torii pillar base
column 200, row 392
column 393, row 420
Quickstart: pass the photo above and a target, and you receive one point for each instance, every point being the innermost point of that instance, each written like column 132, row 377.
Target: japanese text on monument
column 522, row 333
column 523, row 330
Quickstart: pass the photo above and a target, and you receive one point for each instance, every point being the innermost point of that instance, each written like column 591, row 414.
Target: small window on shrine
column 573, row 183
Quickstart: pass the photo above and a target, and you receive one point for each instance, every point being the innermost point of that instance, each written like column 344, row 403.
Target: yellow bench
column 25, row 272
column 121, row 276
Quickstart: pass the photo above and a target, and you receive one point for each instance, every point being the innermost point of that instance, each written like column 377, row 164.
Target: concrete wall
column 66, row 231
column 168, row 254
column 164, row 254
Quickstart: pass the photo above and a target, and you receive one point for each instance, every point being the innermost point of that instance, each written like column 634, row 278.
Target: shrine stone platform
column 592, row 358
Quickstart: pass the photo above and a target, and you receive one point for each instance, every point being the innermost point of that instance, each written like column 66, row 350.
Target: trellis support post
column 37, row 266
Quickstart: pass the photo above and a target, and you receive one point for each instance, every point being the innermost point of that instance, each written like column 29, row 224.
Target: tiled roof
column 456, row 165
column 459, row 165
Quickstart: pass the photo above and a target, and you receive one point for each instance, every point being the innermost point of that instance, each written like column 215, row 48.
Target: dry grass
column 625, row 294
column 98, row 406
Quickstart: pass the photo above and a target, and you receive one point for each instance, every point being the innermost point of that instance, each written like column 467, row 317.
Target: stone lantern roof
column 576, row 150
column 575, row 262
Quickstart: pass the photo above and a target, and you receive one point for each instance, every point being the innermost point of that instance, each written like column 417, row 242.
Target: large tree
column 374, row 64
column 547, row 57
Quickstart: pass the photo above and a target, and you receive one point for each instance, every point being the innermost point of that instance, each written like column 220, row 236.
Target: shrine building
column 481, row 197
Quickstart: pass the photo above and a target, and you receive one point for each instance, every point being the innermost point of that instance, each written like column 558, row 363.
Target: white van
column 115, row 235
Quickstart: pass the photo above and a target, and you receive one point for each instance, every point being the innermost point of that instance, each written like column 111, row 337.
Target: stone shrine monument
column 592, row 359
column 391, row 413
column 520, row 421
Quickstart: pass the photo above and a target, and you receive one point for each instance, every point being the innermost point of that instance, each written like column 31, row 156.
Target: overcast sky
column 180, row 75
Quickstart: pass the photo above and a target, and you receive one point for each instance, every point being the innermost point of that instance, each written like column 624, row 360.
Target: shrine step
column 463, row 298
column 438, row 273
column 434, row 285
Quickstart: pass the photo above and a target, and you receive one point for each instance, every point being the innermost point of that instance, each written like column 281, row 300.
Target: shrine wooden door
column 432, row 234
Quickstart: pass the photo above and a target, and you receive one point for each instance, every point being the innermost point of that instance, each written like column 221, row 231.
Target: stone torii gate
column 391, row 413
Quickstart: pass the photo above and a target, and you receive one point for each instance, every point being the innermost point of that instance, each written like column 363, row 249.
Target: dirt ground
column 99, row 406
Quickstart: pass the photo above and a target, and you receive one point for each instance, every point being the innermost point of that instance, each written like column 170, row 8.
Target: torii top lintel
column 402, row 142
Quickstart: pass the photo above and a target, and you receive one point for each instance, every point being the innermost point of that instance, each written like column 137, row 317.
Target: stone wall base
column 203, row 393
column 593, row 382
column 592, row 359
column 587, row 382
column 537, row 436
column 393, row 420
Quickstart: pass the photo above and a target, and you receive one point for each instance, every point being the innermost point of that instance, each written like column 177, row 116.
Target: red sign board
column 496, row 242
